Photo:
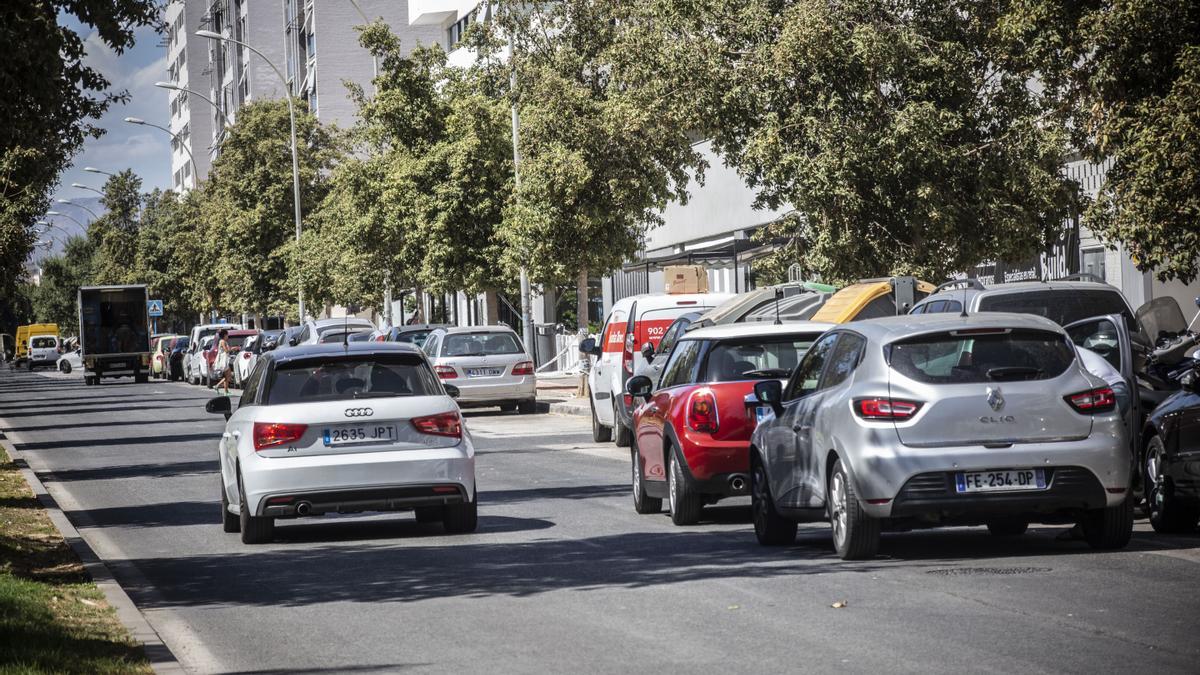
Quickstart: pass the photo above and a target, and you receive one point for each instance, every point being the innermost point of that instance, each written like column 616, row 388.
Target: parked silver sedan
column 488, row 364
column 924, row 421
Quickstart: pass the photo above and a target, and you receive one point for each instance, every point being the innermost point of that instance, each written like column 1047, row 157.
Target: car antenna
column 964, row 302
column 778, row 294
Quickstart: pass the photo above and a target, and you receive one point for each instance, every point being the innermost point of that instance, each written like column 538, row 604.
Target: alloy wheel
column 759, row 497
column 673, row 488
column 1154, row 478
column 837, row 508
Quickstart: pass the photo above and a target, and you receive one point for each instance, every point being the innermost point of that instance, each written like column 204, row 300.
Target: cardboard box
column 685, row 279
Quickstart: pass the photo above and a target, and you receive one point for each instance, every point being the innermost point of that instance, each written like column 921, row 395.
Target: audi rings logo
column 359, row 412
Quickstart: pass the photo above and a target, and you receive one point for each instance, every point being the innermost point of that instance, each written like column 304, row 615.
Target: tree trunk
column 581, row 300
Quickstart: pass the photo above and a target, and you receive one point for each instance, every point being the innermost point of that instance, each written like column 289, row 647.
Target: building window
column 455, row 32
column 1093, row 262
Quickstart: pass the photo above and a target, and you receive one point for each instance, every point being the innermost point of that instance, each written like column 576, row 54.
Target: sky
column 146, row 150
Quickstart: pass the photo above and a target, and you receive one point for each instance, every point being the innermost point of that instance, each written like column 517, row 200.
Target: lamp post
column 81, row 186
column 292, row 118
column 92, row 169
column 69, row 217
column 68, row 202
column 174, row 136
column 174, row 87
column 48, row 225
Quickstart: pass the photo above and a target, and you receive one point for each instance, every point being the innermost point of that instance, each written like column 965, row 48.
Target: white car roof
column 348, row 321
column 892, row 328
column 756, row 329
column 659, row 300
column 451, row 330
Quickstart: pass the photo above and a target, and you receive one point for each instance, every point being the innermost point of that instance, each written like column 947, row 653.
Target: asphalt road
column 563, row 575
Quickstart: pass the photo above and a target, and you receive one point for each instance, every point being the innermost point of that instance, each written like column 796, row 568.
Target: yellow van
column 872, row 299
column 32, row 330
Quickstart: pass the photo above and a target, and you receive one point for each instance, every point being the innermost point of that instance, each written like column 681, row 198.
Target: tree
column 248, row 203
column 113, row 236
column 599, row 158
column 55, row 299
column 167, row 262
column 50, row 99
column 1126, row 75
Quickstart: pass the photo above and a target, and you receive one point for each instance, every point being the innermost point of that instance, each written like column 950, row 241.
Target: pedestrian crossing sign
column 154, row 307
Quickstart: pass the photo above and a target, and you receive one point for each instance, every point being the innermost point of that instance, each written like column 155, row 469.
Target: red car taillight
column 445, row 372
column 441, row 424
column 271, row 434
column 885, row 408
column 702, row 412
column 1093, row 401
column 627, row 354
column 523, row 368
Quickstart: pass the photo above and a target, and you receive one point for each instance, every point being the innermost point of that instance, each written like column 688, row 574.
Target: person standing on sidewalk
column 222, row 361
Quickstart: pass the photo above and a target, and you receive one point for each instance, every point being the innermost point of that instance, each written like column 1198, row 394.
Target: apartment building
column 313, row 43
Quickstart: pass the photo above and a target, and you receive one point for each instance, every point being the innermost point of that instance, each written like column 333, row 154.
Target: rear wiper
column 375, row 394
column 473, row 354
column 1013, row 373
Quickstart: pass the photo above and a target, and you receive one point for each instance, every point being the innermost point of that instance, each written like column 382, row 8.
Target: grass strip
column 53, row 619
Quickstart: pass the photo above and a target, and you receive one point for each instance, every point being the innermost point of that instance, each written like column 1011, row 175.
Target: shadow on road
column 91, row 425
column 168, row 470
column 82, row 443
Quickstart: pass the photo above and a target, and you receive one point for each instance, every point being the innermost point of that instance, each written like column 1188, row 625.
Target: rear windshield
column 416, row 337
column 332, row 336
column 480, row 344
column 352, row 327
column 946, row 358
column 756, row 358
column 237, row 340
column 1062, row 306
column 351, row 377
column 43, row 342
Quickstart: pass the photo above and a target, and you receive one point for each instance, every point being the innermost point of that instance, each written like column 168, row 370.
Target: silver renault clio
column 919, row 421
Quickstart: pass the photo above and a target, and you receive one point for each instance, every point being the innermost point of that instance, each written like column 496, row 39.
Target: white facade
column 187, row 64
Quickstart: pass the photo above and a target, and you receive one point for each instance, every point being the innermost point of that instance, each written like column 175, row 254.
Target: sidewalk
column 559, row 392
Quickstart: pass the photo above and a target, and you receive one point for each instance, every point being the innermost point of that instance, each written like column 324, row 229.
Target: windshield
column 480, row 344
column 237, row 340
column 349, row 326
column 946, row 358
column 415, row 337
column 1161, row 317
column 351, row 377
column 1062, row 306
column 335, row 336
column 757, row 358
column 43, row 342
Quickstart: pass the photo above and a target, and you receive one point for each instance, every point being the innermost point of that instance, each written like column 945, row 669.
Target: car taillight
column 885, row 408
column 523, row 368
column 702, row 412
column 441, row 424
column 271, row 434
column 627, row 354
column 445, row 372
column 1093, row 401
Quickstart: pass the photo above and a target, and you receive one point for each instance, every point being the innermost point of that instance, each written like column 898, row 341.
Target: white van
column 43, row 350
column 632, row 323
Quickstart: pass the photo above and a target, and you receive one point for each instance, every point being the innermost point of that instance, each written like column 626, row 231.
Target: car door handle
column 237, row 434
column 801, row 427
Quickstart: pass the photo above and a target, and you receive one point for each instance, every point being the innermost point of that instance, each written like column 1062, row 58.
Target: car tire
column 229, row 522
column 461, row 518
column 770, row 528
column 508, row 407
column 527, row 407
column 428, row 514
column 1111, row 527
column 141, row 379
column 855, row 534
column 1167, row 514
column 600, row 433
column 255, row 529
column 1007, row 527
column 90, row 381
column 64, row 367
column 642, row 502
column 621, row 433
column 685, row 502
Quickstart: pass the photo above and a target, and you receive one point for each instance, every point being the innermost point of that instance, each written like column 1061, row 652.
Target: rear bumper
column 380, row 498
column 381, row 479
column 707, row 458
column 515, row 389
column 1070, row 489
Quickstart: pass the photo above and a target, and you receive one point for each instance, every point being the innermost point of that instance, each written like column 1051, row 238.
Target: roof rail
column 1082, row 276
column 971, row 282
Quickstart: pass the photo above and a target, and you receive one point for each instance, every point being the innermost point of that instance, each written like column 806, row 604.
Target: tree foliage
column 1126, row 74
column 50, row 99
column 55, row 299
column 114, row 235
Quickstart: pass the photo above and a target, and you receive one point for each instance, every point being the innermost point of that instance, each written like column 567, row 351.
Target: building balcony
column 438, row 12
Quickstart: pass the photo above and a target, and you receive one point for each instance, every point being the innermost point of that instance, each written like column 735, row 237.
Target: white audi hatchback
column 344, row 429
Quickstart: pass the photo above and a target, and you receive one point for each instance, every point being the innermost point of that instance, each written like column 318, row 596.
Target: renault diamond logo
column 359, row 412
column 995, row 398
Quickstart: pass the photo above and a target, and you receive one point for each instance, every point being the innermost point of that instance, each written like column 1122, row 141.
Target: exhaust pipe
column 303, row 509
column 737, row 483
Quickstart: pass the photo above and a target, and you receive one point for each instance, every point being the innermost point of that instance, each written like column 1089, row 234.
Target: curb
column 569, row 408
column 157, row 653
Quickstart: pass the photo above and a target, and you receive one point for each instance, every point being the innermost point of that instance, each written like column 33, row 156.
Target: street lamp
column 81, row 186
column 68, row 216
column 79, row 206
column 174, row 136
column 292, row 118
column 175, row 87
column 92, row 169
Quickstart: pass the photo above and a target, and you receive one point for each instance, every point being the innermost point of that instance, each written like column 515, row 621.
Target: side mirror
column 292, row 342
column 451, row 390
column 648, row 351
column 589, row 347
column 770, row 392
column 640, row 386
column 221, row 405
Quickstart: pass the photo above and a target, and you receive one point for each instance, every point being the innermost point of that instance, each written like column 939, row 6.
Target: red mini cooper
column 691, row 435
